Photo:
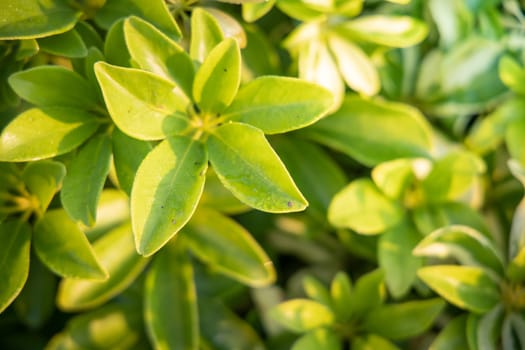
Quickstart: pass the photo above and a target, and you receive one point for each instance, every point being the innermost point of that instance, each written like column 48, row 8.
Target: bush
column 285, row 174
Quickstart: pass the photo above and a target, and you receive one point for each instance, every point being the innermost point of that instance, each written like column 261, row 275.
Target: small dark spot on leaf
column 161, row 207
column 289, row 204
column 173, row 221
column 225, row 69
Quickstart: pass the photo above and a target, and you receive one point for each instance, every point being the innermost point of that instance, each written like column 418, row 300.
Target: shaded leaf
column 112, row 211
column 341, row 293
column 228, row 248
column 15, row 236
column 64, row 249
column 172, row 325
column 248, row 166
column 166, row 190
column 67, row 44
column 372, row 342
column 322, row 338
column 43, row 179
column 452, row 337
column 53, row 131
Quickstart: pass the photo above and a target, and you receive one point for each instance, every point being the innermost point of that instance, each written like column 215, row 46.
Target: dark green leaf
column 116, row 253
column 341, row 293
column 250, row 168
column 15, row 236
column 64, row 249
column 166, row 190
column 369, row 293
column 67, row 44
column 452, row 337
column 228, row 248
column 172, row 325
column 54, row 86
column 277, row 104
column 140, row 103
column 53, row 131
column 363, row 208
column 115, row 49
column 86, row 175
column 404, row 320
column 467, row 287
column 217, row 79
column 24, row 19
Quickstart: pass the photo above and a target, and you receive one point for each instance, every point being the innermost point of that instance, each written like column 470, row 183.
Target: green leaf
column 394, row 31
column 217, row 79
column 404, row 320
column 216, row 196
column 302, row 315
column 512, row 74
column 116, row 253
column 278, row 104
column 319, row 179
column 341, row 293
column 53, row 131
column 43, row 179
column 140, row 103
column 116, row 326
column 248, row 166
column 467, row 287
column 302, row 10
column 64, row 249
column 166, row 190
column 487, row 328
column 67, row 44
column 115, row 48
column 228, row 248
column 128, row 153
column 36, row 303
column 153, row 11
column 360, row 206
column 54, row 86
column 172, row 325
column 355, row 66
column 394, row 177
column 369, row 293
column 15, row 236
column 235, row 333
column 317, row 291
column 157, row 53
column 203, row 40
column 350, row 131
column 514, row 140
column 452, row 176
column 372, row 342
column 396, row 259
column 86, row 175
column 516, row 268
column 253, row 11
column 322, row 338
column 465, row 244
column 112, row 211
column 452, row 337
column 25, row 19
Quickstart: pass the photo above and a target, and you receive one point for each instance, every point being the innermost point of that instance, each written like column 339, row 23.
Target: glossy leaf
column 321, row 338
column 411, row 318
column 355, row 66
column 302, row 315
column 467, row 287
column 157, row 53
column 395, row 31
column 115, row 325
column 54, row 131
column 172, row 325
column 166, row 190
column 348, row 130
column 43, row 179
column 341, row 293
column 363, row 208
column 235, row 333
column 54, row 86
column 64, row 248
column 452, row 337
column 463, row 243
column 128, row 153
column 29, row 19
column 279, row 104
column 67, row 44
column 217, row 79
column 123, row 266
column 203, row 40
column 396, row 259
column 86, row 175
column 253, row 11
column 228, row 248
column 15, row 236
column 140, row 103
column 248, row 166
column 154, row 11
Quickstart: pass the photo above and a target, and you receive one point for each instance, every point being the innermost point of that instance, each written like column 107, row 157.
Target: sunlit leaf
column 302, row 315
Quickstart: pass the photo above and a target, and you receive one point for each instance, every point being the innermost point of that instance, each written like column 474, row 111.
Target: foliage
column 280, row 174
